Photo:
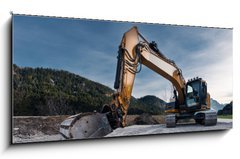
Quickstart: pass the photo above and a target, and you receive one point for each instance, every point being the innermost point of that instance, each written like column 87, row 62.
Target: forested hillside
column 44, row 91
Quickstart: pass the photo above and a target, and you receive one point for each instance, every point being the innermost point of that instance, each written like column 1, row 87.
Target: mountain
column 215, row 105
column 147, row 104
column 227, row 109
column 45, row 91
column 154, row 103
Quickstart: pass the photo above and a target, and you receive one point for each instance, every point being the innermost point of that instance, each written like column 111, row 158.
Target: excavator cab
column 197, row 105
column 196, row 94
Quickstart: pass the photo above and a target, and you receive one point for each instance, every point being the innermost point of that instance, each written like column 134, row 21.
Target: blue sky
column 89, row 48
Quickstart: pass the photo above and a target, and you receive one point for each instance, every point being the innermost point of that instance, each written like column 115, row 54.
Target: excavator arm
column 134, row 51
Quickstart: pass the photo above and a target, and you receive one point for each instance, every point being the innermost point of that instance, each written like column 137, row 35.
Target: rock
column 145, row 119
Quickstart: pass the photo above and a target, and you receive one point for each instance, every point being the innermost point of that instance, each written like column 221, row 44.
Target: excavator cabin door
column 196, row 94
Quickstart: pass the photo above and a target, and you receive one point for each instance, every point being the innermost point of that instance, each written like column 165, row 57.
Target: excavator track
column 170, row 120
column 85, row 125
column 210, row 118
column 206, row 118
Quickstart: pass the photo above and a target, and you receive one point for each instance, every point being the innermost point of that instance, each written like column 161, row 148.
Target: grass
column 225, row 116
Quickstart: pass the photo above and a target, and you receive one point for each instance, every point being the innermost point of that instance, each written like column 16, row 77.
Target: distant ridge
column 45, row 91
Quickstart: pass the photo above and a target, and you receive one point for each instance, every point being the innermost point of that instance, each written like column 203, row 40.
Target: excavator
column 191, row 99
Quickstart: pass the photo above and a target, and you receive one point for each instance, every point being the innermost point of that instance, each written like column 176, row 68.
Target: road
column 161, row 129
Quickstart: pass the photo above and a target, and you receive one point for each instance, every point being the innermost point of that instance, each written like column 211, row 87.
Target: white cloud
column 216, row 66
column 213, row 63
column 211, row 60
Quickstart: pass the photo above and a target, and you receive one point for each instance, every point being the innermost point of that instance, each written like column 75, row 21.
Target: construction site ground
column 27, row 129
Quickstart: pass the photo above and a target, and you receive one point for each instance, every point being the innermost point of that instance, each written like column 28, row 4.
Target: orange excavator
column 191, row 99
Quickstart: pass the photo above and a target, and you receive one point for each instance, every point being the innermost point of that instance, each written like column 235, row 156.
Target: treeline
column 44, row 91
column 147, row 104
column 227, row 109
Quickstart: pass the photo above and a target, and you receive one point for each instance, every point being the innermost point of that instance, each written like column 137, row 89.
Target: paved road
column 161, row 129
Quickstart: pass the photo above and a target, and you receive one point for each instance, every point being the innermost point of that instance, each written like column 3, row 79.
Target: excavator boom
column 135, row 51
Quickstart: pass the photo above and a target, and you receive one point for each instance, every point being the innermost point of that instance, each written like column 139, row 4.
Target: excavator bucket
column 85, row 125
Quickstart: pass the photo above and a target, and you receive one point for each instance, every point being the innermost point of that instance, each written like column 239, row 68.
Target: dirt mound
column 145, row 119
column 31, row 125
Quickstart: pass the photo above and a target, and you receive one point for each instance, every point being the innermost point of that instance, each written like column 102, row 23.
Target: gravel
column 39, row 137
column 161, row 129
column 132, row 130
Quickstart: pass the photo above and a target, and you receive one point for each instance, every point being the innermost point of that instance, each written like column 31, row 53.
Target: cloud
column 216, row 66
column 89, row 48
column 96, row 66
column 148, row 82
column 212, row 61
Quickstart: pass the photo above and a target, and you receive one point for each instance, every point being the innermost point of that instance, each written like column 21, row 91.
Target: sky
column 89, row 48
